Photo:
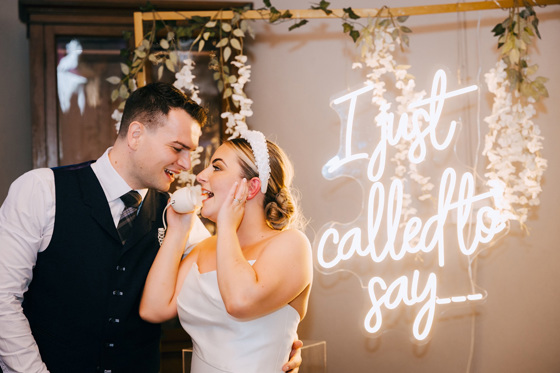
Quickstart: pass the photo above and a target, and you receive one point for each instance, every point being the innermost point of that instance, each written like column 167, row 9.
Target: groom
column 70, row 280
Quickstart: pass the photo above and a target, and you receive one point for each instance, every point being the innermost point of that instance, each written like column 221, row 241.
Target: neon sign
column 383, row 221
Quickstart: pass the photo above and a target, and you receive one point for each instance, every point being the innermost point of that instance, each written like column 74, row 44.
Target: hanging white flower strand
column 513, row 142
column 378, row 42
column 185, row 80
column 512, row 147
column 237, row 121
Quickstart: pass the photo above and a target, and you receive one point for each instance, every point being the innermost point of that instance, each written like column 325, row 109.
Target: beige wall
column 294, row 75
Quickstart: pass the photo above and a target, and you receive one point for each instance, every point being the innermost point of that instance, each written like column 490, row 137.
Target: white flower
column 185, row 80
column 117, row 116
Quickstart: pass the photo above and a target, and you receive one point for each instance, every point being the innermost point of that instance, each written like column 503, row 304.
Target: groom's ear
column 254, row 187
column 134, row 134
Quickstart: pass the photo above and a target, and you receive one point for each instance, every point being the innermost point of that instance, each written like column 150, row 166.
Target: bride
column 241, row 293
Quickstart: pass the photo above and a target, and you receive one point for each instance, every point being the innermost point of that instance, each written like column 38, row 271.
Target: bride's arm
column 159, row 299
column 282, row 272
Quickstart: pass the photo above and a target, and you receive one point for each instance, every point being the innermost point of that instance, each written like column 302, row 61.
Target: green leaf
column 121, row 105
column 355, row 35
column 146, row 44
column 170, row 35
column 347, row 27
column 170, row 66
column 267, row 3
column 298, row 24
column 226, row 27
column 239, row 33
column 123, row 92
column 401, row 19
column 220, row 85
column 200, row 45
column 227, row 92
column 206, row 35
column 535, row 24
column 405, row 40
column 125, row 69
column 114, row 95
column 139, row 53
column 286, row 14
column 405, row 29
column 222, row 43
column 236, row 44
column 274, row 17
column 216, row 75
column 384, row 22
column 227, row 53
column 114, row 79
column 514, row 56
column 251, row 31
column 498, row 29
column 323, row 5
column 152, row 58
column 164, row 43
column 232, row 79
column 236, row 17
column 210, row 24
column 350, row 13
column 174, row 57
column 508, row 46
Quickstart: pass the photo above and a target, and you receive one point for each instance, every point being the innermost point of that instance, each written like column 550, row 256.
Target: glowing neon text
column 414, row 235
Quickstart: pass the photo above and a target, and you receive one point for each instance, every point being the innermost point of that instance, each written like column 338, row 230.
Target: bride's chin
column 207, row 215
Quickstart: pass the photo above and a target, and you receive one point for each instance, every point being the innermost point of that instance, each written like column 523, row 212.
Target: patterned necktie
column 131, row 201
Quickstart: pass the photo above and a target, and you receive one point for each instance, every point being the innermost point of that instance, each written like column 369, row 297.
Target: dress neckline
column 252, row 261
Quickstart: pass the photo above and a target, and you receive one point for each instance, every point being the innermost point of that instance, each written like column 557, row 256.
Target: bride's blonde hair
column 280, row 202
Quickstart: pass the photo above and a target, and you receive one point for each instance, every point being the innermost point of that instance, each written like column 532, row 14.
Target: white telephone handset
column 185, row 200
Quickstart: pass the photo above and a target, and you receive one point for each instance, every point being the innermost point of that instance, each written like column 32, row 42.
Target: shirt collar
column 112, row 183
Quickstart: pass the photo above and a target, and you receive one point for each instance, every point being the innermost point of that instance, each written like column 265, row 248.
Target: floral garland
column 513, row 143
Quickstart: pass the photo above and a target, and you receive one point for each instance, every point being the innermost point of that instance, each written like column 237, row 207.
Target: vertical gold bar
column 138, row 37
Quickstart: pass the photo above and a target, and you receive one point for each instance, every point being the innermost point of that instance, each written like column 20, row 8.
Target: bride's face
column 217, row 180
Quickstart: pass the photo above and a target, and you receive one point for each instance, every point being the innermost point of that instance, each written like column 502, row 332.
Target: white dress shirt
column 26, row 227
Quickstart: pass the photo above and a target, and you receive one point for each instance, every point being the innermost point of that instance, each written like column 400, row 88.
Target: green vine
column 161, row 54
column 223, row 39
column 515, row 34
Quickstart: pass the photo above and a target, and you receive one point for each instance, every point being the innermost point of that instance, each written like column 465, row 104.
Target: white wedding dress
column 222, row 343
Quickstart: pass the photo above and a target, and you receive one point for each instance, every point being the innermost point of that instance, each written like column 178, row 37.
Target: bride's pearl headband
column 260, row 150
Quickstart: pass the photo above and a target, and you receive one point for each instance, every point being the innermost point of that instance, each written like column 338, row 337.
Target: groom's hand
column 293, row 365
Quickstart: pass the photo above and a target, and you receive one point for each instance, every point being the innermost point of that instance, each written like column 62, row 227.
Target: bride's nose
column 201, row 177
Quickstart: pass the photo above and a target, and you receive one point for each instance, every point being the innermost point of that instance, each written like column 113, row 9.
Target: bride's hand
column 180, row 222
column 231, row 212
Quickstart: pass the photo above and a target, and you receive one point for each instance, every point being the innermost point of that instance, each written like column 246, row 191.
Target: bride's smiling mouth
column 206, row 194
